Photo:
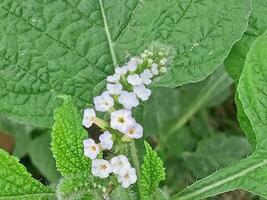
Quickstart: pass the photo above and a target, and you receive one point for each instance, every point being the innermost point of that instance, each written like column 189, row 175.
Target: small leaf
column 17, row 183
column 67, row 140
column 159, row 195
column 152, row 172
column 122, row 194
column 74, row 186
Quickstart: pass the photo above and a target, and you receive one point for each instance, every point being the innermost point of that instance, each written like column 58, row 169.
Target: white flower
column 120, row 165
column 163, row 69
column 129, row 178
column 163, row 61
column 121, row 120
column 88, row 117
column 104, row 102
column 91, row 149
column 134, row 79
column 121, row 70
column 146, row 76
column 135, row 131
column 132, row 65
column 128, row 99
column 142, row 92
column 114, row 88
column 114, row 78
column 154, row 69
column 101, row 168
column 106, row 140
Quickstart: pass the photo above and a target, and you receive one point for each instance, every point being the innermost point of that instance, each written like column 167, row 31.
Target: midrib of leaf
column 201, row 98
column 49, row 195
column 110, row 43
column 229, row 178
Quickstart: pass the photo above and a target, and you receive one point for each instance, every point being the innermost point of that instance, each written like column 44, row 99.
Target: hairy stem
column 136, row 165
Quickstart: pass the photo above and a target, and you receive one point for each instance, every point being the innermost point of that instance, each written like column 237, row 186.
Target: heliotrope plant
column 125, row 90
column 59, row 48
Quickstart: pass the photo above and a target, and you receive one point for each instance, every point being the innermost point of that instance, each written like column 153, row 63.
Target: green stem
column 110, row 43
column 136, row 165
column 101, row 123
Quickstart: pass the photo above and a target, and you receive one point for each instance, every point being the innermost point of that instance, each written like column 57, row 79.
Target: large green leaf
column 249, row 174
column 67, row 136
column 235, row 61
column 257, row 25
column 50, row 48
column 42, row 158
column 17, row 183
column 245, row 123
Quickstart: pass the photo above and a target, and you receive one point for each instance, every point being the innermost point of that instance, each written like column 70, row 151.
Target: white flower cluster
column 125, row 89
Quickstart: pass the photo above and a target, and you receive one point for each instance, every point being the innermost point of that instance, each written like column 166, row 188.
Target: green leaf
column 74, row 186
column 122, row 194
column 42, row 158
column 61, row 47
column 235, row 62
column 67, row 137
column 152, row 172
column 17, row 183
column 245, row 123
column 257, row 25
column 21, row 134
column 248, row 174
column 214, row 153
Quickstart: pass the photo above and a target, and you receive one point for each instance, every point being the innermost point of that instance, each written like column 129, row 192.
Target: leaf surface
column 248, row 174
column 152, row 172
column 257, row 26
column 74, row 186
column 51, row 48
column 16, row 183
column 67, row 140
